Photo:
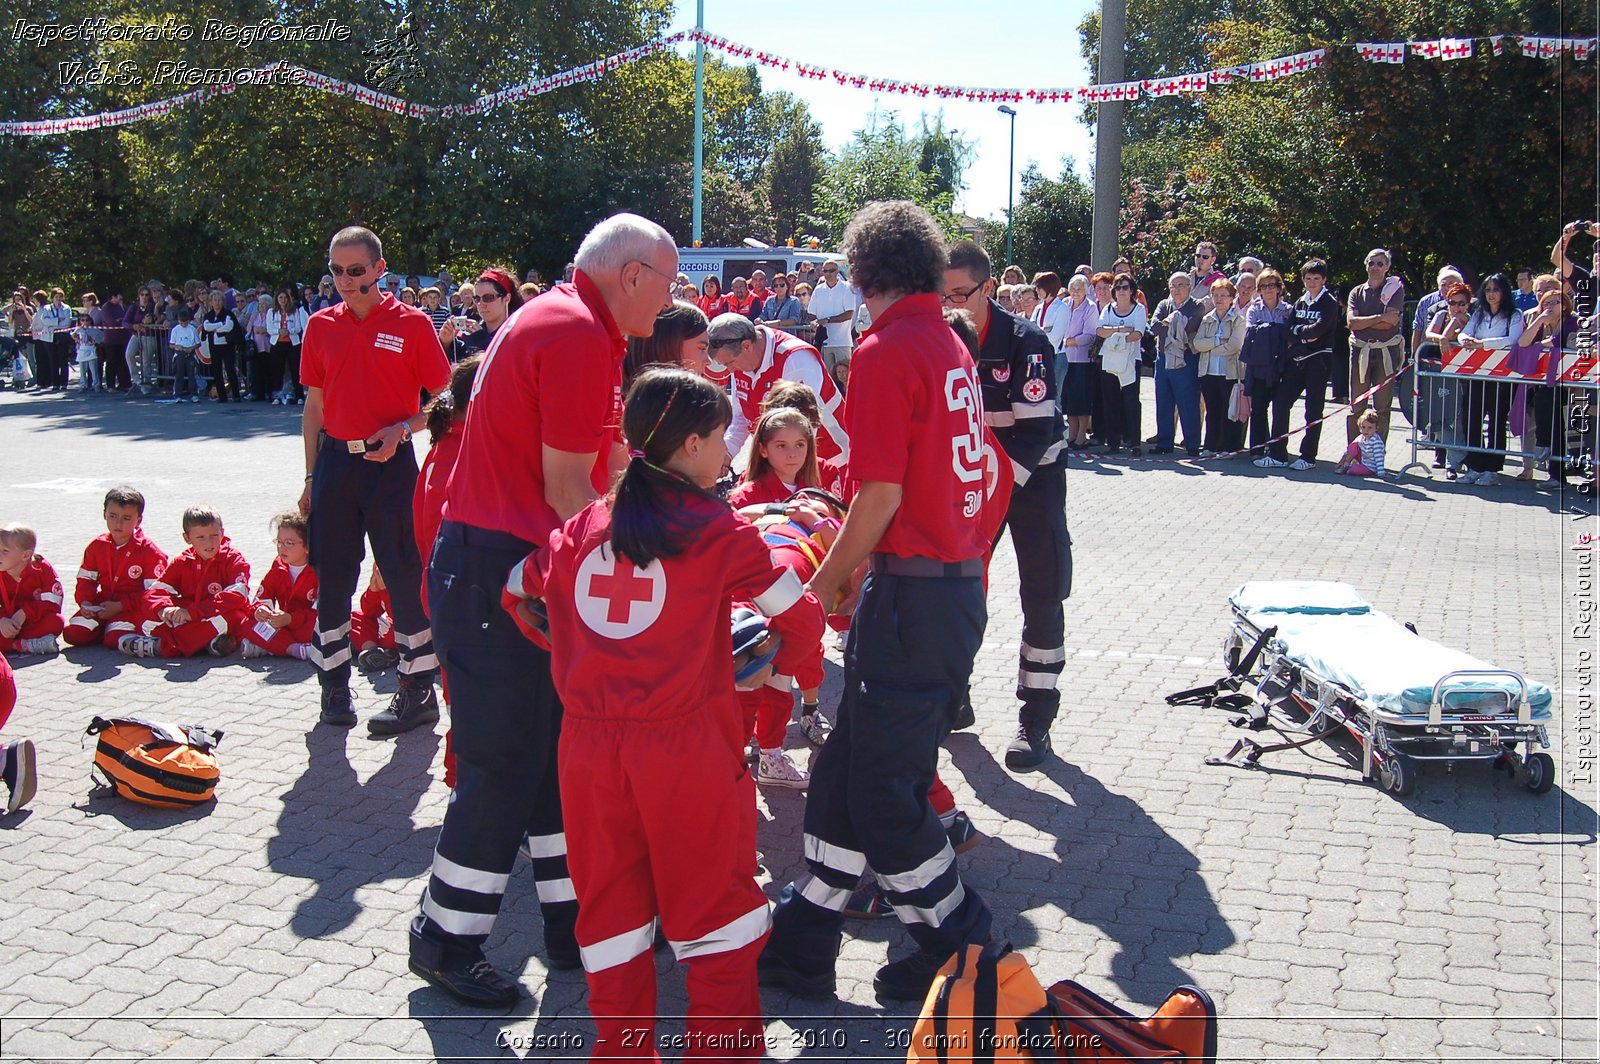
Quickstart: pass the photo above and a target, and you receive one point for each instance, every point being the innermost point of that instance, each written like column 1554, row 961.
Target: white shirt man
column 834, row 303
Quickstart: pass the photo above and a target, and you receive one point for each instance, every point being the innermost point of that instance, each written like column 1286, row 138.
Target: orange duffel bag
column 1182, row 1031
column 166, row 765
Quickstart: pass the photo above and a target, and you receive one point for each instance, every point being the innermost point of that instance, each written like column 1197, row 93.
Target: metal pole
column 1108, row 136
column 1011, row 180
column 699, row 113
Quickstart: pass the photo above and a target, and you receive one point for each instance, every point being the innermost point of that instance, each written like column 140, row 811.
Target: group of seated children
column 131, row 597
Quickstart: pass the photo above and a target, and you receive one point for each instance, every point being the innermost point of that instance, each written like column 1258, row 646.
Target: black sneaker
column 377, row 659
column 908, row 978
column 963, row 836
column 411, row 707
column 337, row 709
column 465, row 975
column 1030, row 747
column 774, row 970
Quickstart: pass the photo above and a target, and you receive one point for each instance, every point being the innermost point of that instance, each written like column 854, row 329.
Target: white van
column 727, row 263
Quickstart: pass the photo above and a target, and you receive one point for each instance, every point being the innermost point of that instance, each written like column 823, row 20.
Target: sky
column 930, row 41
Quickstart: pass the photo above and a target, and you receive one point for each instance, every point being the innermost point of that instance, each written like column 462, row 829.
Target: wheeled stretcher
column 1309, row 658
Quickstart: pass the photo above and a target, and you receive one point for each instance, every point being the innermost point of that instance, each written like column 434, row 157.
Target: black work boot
column 337, row 709
column 1030, row 747
column 909, row 978
column 411, row 707
column 463, row 973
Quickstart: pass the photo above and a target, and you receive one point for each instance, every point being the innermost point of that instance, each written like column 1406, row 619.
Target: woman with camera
column 497, row 298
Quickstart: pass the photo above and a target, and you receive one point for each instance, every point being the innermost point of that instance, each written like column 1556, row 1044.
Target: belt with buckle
column 895, row 565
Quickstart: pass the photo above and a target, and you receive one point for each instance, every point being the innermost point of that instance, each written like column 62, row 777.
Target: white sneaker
column 1300, row 464
column 815, row 727
column 44, row 645
column 776, row 770
column 1468, row 476
column 302, row 651
column 252, row 650
column 1266, row 461
column 1488, row 478
column 140, row 646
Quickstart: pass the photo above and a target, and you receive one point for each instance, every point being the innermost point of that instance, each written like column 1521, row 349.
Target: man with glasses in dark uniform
column 1015, row 370
column 365, row 362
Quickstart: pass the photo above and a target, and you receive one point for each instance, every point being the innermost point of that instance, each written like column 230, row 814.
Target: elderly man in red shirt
column 541, row 441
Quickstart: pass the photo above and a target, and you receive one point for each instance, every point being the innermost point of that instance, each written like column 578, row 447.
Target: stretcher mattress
column 1330, row 629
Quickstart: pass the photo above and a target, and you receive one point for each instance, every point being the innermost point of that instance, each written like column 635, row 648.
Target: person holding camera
column 496, row 296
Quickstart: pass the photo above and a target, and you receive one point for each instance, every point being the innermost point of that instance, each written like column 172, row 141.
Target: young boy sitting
column 118, row 571
column 30, row 595
column 185, row 358
column 201, row 600
column 285, row 610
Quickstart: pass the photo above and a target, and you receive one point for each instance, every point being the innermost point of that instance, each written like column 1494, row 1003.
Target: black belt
column 894, row 565
column 339, row 446
column 473, row 536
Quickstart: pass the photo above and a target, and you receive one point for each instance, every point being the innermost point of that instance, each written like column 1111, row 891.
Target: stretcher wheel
column 1398, row 775
column 1541, row 773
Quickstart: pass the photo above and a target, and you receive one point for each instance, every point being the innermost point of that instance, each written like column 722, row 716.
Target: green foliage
column 1053, row 222
column 884, row 162
column 1474, row 162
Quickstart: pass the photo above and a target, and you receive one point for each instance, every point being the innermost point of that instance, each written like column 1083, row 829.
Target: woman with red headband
column 497, row 297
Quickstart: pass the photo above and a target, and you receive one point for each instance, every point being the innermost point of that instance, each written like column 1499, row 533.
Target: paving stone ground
column 1329, row 920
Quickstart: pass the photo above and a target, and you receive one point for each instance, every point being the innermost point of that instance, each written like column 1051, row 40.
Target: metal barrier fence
column 1465, row 403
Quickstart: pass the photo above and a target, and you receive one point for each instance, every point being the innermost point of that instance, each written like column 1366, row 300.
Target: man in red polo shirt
column 543, row 435
column 760, row 357
column 364, row 364
column 917, row 447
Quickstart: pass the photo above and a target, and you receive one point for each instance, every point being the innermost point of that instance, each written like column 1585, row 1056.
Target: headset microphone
column 365, row 288
column 370, row 285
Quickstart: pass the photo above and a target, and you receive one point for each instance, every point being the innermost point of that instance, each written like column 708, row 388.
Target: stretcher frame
column 1461, row 723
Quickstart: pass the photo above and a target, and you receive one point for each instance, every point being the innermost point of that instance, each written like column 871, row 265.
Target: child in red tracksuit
column 118, row 571
column 638, row 588
column 17, row 758
column 372, row 627
column 285, row 610
column 446, row 416
column 30, row 595
column 783, row 458
column 201, row 600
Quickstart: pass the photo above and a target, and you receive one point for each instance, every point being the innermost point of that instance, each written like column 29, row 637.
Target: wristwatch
column 405, row 432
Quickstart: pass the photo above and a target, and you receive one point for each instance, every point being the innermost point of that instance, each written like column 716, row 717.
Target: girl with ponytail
column 633, row 597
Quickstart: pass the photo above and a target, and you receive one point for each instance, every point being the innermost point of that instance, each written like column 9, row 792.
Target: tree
column 1051, row 221
column 1468, row 162
column 884, row 163
column 794, row 165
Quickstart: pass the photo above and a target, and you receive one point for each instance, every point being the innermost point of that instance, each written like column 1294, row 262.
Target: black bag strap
column 986, row 1001
column 941, row 1008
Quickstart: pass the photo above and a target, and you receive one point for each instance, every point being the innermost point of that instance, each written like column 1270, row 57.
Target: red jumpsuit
column 371, row 621
column 111, row 573
column 216, row 593
column 37, row 593
column 643, row 661
column 8, row 691
column 295, row 596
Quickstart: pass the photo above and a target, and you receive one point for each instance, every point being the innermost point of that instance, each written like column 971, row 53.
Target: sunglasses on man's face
column 355, row 273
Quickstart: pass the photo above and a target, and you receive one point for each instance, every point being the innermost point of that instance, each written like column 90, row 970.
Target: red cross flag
column 617, row 599
column 1455, row 47
column 1426, row 49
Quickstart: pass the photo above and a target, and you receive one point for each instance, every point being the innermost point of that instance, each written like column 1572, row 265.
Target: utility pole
column 699, row 114
column 1011, row 180
column 1108, row 136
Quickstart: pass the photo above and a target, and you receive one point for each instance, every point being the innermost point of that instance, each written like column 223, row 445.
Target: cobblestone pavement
column 1329, row 920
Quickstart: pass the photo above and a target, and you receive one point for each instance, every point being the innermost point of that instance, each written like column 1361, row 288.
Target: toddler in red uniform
column 638, row 588
column 372, row 627
column 285, row 610
column 447, row 414
column 201, row 599
column 118, row 571
column 30, row 595
column 17, row 757
column 783, row 458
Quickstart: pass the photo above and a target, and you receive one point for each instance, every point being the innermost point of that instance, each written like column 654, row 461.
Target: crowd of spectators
column 1230, row 348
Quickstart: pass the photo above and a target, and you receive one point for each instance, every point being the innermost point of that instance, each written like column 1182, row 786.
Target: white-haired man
column 540, row 443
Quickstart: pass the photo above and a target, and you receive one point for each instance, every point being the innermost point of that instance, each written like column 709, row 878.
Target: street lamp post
column 1011, row 177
